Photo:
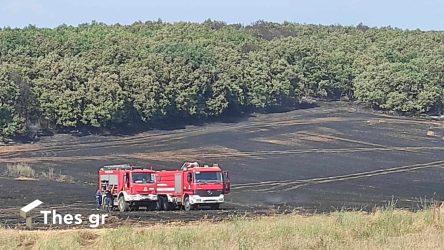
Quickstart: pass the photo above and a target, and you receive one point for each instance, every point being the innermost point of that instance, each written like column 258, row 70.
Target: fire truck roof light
column 121, row 167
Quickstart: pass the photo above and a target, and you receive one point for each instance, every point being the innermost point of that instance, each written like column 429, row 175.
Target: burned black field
column 326, row 158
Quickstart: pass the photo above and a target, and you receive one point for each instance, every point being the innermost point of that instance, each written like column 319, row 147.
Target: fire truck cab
column 192, row 186
column 131, row 186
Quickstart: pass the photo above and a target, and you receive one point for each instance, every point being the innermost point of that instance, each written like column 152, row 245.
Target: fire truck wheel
column 186, row 204
column 159, row 205
column 123, row 205
column 153, row 206
column 166, row 205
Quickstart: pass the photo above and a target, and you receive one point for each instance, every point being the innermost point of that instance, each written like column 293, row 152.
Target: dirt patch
column 17, row 148
column 401, row 120
column 293, row 139
column 25, row 179
column 192, row 154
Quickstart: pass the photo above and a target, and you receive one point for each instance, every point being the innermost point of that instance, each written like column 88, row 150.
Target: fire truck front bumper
column 197, row 199
column 141, row 197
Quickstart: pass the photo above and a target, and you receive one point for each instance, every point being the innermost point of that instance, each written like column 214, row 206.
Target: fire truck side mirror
column 226, row 183
column 226, row 177
column 126, row 177
column 189, row 177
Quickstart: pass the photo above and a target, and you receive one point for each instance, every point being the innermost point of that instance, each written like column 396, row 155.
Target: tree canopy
column 104, row 76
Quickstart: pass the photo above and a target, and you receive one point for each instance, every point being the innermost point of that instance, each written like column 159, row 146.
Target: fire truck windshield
column 208, row 177
column 142, row 178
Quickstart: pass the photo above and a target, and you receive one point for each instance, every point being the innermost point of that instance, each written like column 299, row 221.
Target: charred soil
column 325, row 158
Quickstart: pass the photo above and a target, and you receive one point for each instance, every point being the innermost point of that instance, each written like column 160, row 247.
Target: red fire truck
column 192, row 186
column 131, row 186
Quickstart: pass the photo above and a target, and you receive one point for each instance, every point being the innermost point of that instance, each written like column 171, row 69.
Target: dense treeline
column 96, row 75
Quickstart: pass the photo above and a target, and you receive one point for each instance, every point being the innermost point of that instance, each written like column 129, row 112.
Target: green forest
column 107, row 76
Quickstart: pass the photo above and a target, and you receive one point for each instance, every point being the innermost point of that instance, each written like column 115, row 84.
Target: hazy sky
column 407, row 14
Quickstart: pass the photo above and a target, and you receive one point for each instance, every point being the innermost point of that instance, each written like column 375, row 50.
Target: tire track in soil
column 348, row 140
column 160, row 139
column 223, row 155
column 165, row 137
column 288, row 185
